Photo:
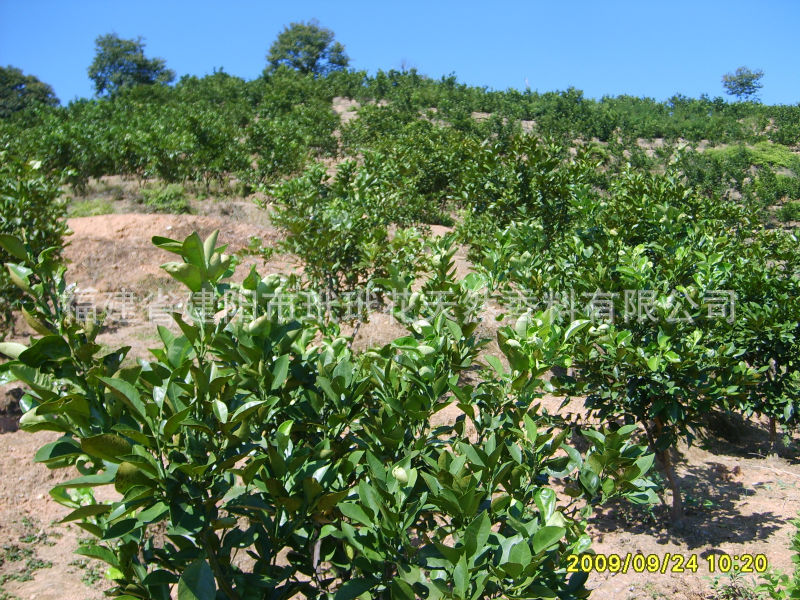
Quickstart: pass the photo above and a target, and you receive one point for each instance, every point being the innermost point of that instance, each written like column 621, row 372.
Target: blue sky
column 641, row 48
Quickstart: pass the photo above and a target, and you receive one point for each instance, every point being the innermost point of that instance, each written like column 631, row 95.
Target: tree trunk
column 773, row 435
column 652, row 443
column 665, row 459
column 677, row 513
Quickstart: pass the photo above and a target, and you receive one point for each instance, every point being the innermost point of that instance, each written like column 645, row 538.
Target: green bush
column 340, row 227
column 262, row 436
column 789, row 211
column 782, row 586
column 651, row 257
column 167, row 199
column 30, row 208
column 90, row 208
column 769, row 188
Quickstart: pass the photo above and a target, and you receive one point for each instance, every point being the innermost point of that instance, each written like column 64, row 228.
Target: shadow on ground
column 9, row 408
column 714, row 490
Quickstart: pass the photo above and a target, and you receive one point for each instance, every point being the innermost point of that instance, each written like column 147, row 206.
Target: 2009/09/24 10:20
column 666, row 563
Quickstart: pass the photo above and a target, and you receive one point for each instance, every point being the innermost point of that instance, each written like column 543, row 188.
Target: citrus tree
column 255, row 456
column 652, row 266
column 30, row 208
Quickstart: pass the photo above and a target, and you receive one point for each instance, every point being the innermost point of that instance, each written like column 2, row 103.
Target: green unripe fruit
column 129, row 475
column 258, row 325
column 400, row 474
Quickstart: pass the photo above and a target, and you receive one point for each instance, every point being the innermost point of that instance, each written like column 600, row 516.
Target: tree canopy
column 19, row 91
column 743, row 83
column 121, row 63
column 308, row 48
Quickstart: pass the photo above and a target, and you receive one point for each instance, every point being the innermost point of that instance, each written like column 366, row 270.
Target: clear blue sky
column 641, row 48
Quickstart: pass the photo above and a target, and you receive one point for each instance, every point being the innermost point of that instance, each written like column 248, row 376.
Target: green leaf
column 120, row 528
column 545, row 500
column 356, row 513
column 663, row 339
column 50, row 347
column 160, row 577
column 35, row 324
column 100, row 553
column 197, row 582
column 451, row 554
column 531, row 431
column 12, row 349
column 126, row 392
column 476, row 535
column 626, row 430
column 245, row 410
column 540, row 591
column 193, row 251
column 7, row 376
column 106, row 446
column 401, row 590
column 57, row 451
column 590, row 480
column 672, row 357
column 500, row 503
column 103, row 478
column 279, row 371
column 189, row 275
column 220, row 410
column 461, row 578
column 13, row 245
column 129, row 475
column 167, row 244
column 84, row 512
column 520, row 555
column 575, row 327
column 653, row 362
column 209, row 245
column 495, row 363
column 546, row 537
column 353, row 588
column 598, row 438
column 19, row 276
column 175, row 421
column 645, row 462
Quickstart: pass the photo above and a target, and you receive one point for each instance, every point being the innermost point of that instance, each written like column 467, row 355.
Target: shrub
column 262, row 436
column 647, row 264
column 771, row 188
column 781, row 586
column 790, row 211
column 340, row 227
column 168, row 199
column 31, row 209
column 90, row 208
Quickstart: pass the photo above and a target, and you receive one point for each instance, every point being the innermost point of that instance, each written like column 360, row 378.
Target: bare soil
column 740, row 496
